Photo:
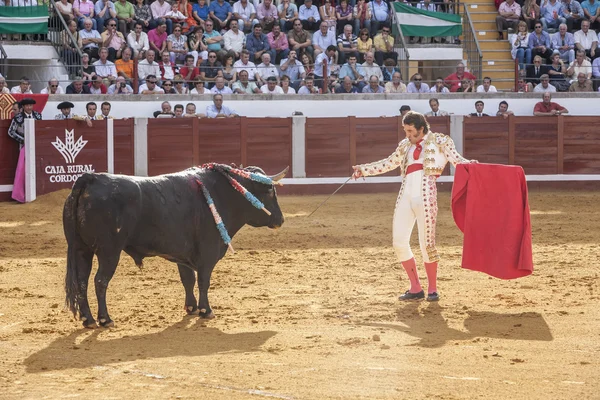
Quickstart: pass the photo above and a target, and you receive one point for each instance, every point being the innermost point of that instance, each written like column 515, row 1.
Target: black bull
column 164, row 216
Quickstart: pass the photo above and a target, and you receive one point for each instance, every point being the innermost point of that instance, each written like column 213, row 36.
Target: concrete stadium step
column 500, row 55
column 480, row 7
column 484, row 25
column 493, row 44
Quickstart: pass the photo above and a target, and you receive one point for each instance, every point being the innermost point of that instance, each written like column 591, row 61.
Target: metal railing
column 471, row 44
column 3, row 58
column 57, row 30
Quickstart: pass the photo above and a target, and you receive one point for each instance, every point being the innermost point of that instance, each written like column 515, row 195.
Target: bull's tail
column 74, row 241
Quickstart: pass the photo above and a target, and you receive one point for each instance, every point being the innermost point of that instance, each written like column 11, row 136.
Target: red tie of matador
column 418, row 150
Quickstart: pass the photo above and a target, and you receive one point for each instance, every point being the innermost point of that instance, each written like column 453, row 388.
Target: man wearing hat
column 65, row 110
column 16, row 129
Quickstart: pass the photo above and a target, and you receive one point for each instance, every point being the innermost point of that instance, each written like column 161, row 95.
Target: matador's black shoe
column 412, row 296
column 433, row 296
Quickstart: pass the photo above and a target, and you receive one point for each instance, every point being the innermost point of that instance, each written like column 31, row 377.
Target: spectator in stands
column 395, row 85
column 104, row 68
column 201, row 12
column 384, row 46
column 218, row 110
column 177, row 45
column 389, row 67
column 309, row 16
column 189, row 72
column 220, row 12
column 113, row 40
column 3, row 88
column 65, row 8
column 213, row 38
column 168, row 69
column 373, row 86
column 120, row 87
column 309, row 86
column 103, row 11
column 243, row 85
column 52, row 88
column 454, row 81
column 84, row 9
column 265, row 70
column 508, row 16
column 178, row 111
column 573, row 13
column 551, row 14
column 125, row 65
column 323, row 38
column 150, row 87
column 288, row 13
column 77, row 87
column 544, row 85
column 199, row 87
column 308, row 64
column 271, row 87
column 300, row 39
column 417, row 85
column 557, row 71
column 185, row 7
column 362, row 17
column 69, row 47
column 23, row 87
column 346, row 87
column 581, row 64
column 210, row 68
column 503, row 110
column 105, row 108
column 364, row 44
column 148, row 66
column 564, row 43
column 329, row 57
column 190, row 111
column 596, row 72
column 535, row 71
column 487, row 86
column 142, row 14
column 354, row 71
column 157, row 37
column 196, row 45
column 345, row 16
column 229, row 72
column 267, row 15
column 380, row 15
column 328, row 15
column 347, row 44
column 439, row 86
column 591, row 10
column 244, row 13
column 167, row 86
column 370, row 67
column 478, row 110
column 539, row 43
column 65, row 110
column 520, row 45
column 467, row 86
column 286, row 88
column 220, row 86
column 587, row 40
column 138, row 41
column 165, row 111
column 531, row 13
column 434, row 104
column 547, row 108
column 278, row 42
column 234, row 39
column 159, row 9
column 293, row 69
column 96, row 86
column 257, row 44
column 244, row 63
column 582, row 84
column 404, row 109
column 89, row 38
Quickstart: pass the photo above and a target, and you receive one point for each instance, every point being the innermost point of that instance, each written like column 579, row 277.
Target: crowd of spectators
column 555, row 43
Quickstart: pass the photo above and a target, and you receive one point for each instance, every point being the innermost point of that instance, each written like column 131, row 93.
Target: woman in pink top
column 83, row 9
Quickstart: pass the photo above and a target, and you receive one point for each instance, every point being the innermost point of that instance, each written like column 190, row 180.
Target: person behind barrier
column 16, row 129
column 218, row 110
column 65, row 110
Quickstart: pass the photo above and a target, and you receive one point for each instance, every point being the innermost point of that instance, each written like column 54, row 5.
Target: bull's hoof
column 90, row 324
column 191, row 310
column 206, row 314
column 107, row 323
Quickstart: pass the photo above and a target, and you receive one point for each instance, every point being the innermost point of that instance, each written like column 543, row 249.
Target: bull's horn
column 279, row 176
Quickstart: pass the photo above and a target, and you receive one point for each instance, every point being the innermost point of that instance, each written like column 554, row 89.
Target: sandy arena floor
column 310, row 312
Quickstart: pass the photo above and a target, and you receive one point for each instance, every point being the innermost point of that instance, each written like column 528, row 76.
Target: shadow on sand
column 84, row 348
column 432, row 328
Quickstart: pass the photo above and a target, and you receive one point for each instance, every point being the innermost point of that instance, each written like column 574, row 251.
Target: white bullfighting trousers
column 416, row 202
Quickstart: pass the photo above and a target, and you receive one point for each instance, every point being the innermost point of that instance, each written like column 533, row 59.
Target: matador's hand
column 357, row 172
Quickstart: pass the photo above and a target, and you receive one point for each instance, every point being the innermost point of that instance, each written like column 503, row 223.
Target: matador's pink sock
column 410, row 266
column 431, row 270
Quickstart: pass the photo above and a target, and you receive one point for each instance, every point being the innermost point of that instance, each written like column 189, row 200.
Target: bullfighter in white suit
column 421, row 157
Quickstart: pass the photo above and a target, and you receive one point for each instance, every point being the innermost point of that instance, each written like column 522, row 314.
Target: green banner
column 21, row 20
column 417, row 22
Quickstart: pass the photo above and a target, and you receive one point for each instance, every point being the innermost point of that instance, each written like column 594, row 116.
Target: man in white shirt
column 52, row 88
column 272, row 87
column 323, row 38
column 150, row 86
column 580, row 64
column 220, row 87
column 218, row 110
column 331, row 56
column 148, row 67
column 587, row 40
column 309, row 16
column 105, row 68
column 371, row 68
column 22, row 88
column 293, row 69
column 266, row 69
column 487, row 86
column 3, row 88
column 417, row 85
column 244, row 63
column 234, row 39
column 138, row 41
column 245, row 13
column 544, row 85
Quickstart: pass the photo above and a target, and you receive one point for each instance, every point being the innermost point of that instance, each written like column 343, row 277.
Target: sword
column 325, row 201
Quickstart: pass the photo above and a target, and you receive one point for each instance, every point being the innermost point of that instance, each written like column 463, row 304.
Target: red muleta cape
column 490, row 206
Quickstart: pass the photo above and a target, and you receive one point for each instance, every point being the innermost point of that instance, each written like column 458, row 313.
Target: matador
column 421, row 157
